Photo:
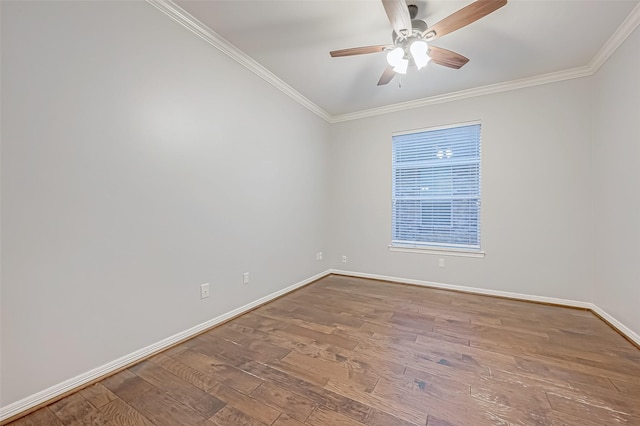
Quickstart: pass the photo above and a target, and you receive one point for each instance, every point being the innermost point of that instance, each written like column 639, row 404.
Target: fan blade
column 463, row 17
column 447, row 58
column 387, row 76
column 398, row 15
column 357, row 51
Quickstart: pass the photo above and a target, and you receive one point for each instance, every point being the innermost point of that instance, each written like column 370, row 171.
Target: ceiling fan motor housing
column 417, row 32
column 419, row 24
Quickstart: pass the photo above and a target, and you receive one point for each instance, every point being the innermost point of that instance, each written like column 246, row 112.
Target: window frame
column 434, row 248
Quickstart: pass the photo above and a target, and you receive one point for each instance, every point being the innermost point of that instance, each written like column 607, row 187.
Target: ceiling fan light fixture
column 395, row 56
column 401, row 67
column 396, row 59
column 419, row 51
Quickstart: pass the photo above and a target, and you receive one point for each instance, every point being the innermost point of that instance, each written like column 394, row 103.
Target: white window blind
column 436, row 188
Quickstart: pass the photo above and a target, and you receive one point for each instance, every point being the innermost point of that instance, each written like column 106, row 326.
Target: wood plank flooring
column 347, row 351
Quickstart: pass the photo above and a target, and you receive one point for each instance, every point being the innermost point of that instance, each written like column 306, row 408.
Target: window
column 436, row 188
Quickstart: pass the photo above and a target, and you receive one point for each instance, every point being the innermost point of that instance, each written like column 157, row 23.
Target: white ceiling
column 524, row 39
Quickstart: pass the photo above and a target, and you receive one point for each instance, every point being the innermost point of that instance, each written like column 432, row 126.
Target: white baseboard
column 629, row 334
column 104, row 370
column 475, row 290
column 620, row 327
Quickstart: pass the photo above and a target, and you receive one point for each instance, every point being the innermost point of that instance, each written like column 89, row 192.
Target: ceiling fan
column 412, row 37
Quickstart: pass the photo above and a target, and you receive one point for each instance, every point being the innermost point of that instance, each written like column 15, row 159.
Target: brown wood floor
column 346, row 351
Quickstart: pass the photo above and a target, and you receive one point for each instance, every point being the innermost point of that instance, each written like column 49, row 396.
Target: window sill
column 438, row 251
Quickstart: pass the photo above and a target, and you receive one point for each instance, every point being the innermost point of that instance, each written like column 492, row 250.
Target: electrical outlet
column 204, row 290
column 344, row 259
column 245, row 278
column 319, row 255
column 441, row 263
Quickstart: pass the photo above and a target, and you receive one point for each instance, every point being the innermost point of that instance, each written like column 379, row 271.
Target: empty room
column 312, row 212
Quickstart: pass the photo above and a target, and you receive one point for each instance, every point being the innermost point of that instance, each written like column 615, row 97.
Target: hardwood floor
column 347, row 351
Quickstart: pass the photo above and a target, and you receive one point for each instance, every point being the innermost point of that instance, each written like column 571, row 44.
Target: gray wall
column 536, row 203
column 616, row 194
column 137, row 163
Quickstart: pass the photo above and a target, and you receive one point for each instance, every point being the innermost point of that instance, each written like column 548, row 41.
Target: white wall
column 137, row 163
column 616, row 195
column 536, row 193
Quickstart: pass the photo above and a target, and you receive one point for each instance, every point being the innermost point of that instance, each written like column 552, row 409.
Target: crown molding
column 181, row 16
column 624, row 30
column 469, row 93
column 185, row 19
